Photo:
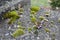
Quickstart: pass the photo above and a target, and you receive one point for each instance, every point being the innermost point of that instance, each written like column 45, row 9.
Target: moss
column 33, row 19
column 35, row 8
column 17, row 33
column 33, row 12
column 12, row 15
column 13, row 19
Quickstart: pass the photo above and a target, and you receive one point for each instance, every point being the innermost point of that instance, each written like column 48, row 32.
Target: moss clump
column 12, row 15
column 35, row 8
column 17, row 33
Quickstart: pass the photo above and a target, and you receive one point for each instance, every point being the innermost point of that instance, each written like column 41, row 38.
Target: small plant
column 35, row 8
column 17, row 33
column 12, row 15
column 33, row 19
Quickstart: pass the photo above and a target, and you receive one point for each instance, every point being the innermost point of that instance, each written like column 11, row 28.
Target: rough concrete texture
column 6, row 30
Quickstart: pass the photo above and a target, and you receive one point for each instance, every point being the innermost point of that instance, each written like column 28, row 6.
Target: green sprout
column 41, row 18
column 17, row 33
column 35, row 8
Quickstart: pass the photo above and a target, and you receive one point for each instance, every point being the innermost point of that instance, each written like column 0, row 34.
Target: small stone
column 38, row 38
